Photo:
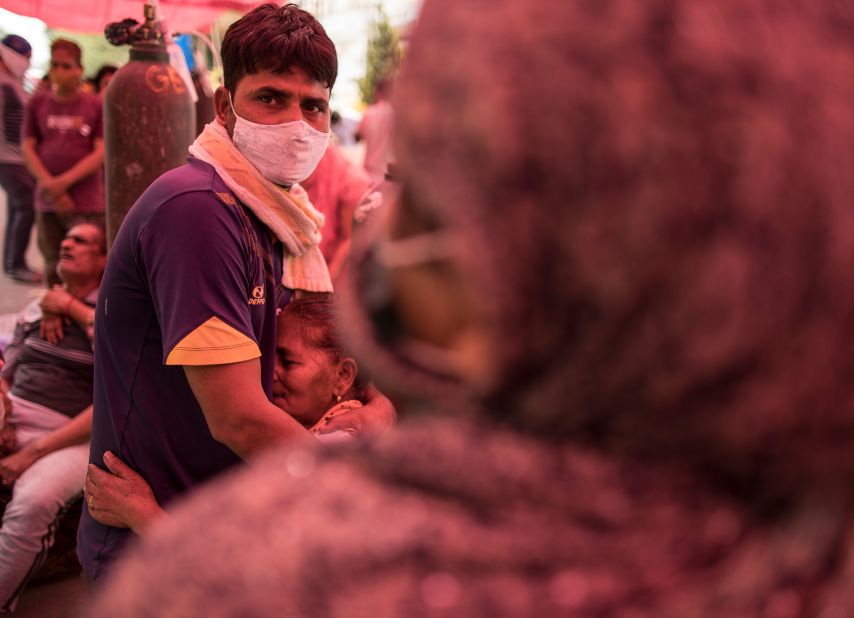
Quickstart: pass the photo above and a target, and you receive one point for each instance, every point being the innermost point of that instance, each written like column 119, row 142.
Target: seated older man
column 48, row 377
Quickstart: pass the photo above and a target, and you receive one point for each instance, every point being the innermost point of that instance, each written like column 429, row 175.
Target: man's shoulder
column 191, row 191
column 195, row 176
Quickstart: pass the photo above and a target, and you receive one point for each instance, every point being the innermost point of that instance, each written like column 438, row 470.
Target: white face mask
column 15, row 62
column 284, row 153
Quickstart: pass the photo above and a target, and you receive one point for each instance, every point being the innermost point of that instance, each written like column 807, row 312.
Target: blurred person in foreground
column 645, row 293
column 185, row 345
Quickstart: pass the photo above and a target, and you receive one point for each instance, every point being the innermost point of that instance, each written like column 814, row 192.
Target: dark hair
column 317, row 323
column 278, row 38
column 18, row 44
column 107, row 69
column 69, row 46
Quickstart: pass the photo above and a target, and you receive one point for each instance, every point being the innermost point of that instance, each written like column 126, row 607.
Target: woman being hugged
column 315, row 382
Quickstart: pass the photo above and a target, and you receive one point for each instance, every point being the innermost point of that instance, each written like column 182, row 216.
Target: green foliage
column 383, row 55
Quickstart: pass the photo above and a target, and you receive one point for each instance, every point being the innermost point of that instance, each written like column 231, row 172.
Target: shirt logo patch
column 64, row 123
column 257, row 295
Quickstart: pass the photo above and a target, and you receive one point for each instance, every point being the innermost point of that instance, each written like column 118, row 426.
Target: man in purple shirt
column 63, row 148
column 186, row 324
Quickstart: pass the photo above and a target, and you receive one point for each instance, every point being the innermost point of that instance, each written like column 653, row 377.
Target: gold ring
column 91, row 502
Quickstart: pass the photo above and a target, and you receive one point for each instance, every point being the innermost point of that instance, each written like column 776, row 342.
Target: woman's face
column 305, row 376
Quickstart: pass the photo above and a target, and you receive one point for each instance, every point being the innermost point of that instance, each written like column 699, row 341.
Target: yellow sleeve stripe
column 213, row 343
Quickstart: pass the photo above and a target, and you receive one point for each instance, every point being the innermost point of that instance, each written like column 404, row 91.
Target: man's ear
column 346, row 375
column 222, row 106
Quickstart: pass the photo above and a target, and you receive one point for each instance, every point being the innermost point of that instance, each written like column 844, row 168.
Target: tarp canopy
column 91, row 16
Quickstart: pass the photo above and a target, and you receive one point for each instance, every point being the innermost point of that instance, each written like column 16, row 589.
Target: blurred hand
column 64, row 204
column 51, row 328
column 7, row 439
column 54, row 187
column 120, row 497
column 5, row 402
column 13, row 466
column 7, row 434
column 370, row 202
column 55, row 300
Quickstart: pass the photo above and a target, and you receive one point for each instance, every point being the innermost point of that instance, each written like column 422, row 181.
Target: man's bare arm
column 237, row 411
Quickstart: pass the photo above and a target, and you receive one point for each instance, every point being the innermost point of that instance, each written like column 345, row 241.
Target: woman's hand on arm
column 120, row 497
column 376, row 416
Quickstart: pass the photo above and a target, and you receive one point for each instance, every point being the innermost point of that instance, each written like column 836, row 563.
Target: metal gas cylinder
column 149, row 117
column 205, row 105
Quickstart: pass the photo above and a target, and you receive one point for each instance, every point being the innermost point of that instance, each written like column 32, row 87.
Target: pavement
column 66, row 598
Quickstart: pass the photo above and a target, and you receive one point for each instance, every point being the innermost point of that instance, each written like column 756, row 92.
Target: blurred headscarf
column 654, row 204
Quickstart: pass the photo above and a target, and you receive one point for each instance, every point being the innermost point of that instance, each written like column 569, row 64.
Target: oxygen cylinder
column 204, row 106
column 149, row 122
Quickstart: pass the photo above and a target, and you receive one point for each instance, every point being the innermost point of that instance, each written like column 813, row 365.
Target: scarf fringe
column 289, row 215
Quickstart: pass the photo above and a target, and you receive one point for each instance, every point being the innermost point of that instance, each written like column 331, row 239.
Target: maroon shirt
column 65, row 132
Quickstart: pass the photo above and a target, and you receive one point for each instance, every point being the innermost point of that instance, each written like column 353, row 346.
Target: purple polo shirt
column 192, row 279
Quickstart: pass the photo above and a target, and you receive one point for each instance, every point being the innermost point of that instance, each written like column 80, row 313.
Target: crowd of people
column 606, row 293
